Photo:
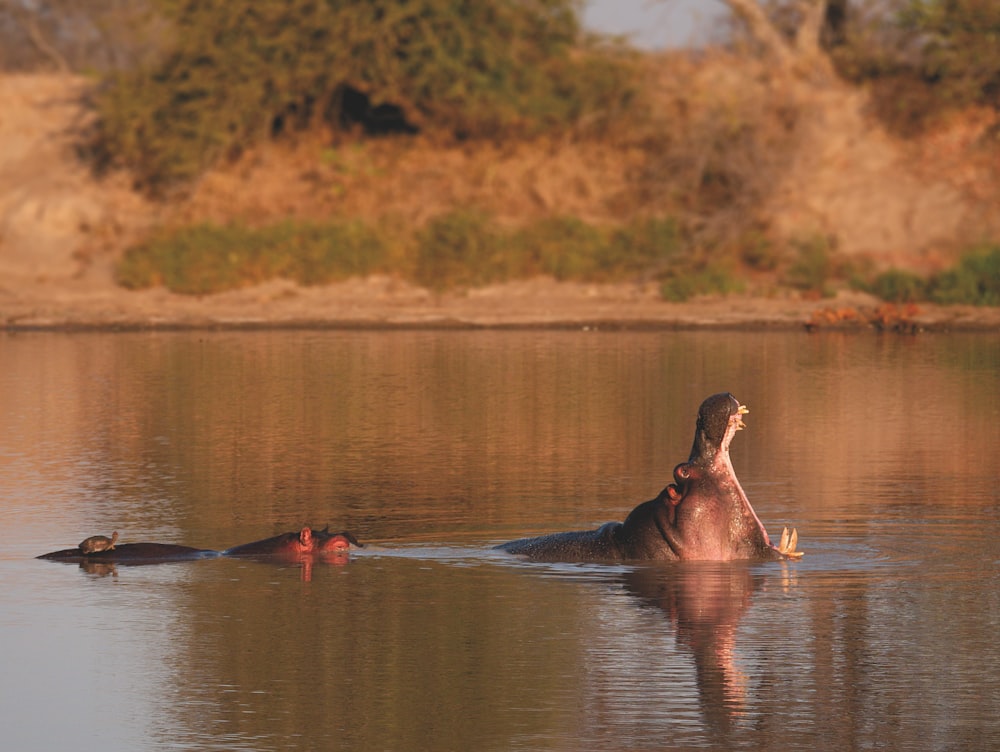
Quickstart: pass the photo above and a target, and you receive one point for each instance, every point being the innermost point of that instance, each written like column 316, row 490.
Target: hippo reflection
column 705, row 603
column 703, row 516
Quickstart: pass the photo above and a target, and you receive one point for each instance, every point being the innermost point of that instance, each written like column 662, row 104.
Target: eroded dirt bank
column 61, row 230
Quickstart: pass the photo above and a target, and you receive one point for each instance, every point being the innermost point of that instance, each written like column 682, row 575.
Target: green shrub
column 758, row 251
column 923, row 58
column 898, row 286
column 813, row 266
column 959, row 49
column 461, row 249
column 208, row 258
column 464, row 248
column 323, row 253
column 645, row 246
column 564, row 247
column 569, row 248
column 711, row 279
column 975, row 280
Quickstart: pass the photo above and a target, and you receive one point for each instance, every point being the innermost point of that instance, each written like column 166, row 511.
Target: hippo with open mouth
column 704, row 515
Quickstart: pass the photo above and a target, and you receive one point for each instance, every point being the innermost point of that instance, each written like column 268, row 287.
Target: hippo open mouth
column 712, row 518
column 788, row 539
column 703, row 515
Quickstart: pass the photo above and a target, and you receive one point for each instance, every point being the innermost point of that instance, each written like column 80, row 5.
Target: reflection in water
column 705, row 604
column 880, row 450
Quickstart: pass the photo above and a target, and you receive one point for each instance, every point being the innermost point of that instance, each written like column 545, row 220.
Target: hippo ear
column 350, row 537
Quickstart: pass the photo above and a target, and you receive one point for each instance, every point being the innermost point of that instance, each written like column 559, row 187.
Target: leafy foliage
column 241, row 71
column 923, row 57
column 813, row 266
column 460, row 249
column 961, row 47
column 707, row 279
column 207, row 258
column 457, row 249
column 975, row 280
column 898, row 286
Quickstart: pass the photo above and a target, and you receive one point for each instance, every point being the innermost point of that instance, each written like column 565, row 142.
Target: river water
column 883, row 451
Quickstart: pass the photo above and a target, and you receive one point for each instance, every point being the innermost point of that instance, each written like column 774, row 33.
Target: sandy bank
column 381, row 302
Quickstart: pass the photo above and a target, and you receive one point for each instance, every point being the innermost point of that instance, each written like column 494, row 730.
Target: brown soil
column 61, row 229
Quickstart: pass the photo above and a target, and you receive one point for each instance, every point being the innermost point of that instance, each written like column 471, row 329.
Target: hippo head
column 338, row 543
column 711, row 517
column 719, row 418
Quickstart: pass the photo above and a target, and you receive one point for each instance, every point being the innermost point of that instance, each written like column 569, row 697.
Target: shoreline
column 384, row 303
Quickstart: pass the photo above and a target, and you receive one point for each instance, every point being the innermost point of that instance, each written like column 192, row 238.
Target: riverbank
column 384, row 302
column 62, row 229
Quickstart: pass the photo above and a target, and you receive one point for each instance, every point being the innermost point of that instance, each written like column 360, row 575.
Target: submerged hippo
column 131, row 553
column 704, row 515
column 306, row 541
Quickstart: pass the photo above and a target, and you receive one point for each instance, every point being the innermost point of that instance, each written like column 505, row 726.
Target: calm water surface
column 882, row 451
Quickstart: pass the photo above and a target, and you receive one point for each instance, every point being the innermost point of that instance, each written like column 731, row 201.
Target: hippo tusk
column 787, row 544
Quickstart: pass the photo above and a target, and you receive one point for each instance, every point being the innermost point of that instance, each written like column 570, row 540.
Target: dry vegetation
column 780, row 177
column 741, row 153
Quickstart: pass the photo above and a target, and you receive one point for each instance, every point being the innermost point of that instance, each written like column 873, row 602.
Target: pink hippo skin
column 704, row 515
column 304, row 548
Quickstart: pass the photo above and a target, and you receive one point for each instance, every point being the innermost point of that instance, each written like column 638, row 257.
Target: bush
column 565, row 247
column 923, row 58
column 209, row 258
column 897, row 286
column 646, row 246
column 959, row 48
column 323, row 253
column 813, row 266
column 711, row 279
column 975, row 280
column 461, row 249
column 241, row 71
column 465, row 248
column 758, row 251
column 568, row 248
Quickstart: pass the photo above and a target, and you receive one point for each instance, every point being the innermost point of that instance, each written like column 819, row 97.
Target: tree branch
column 807, row 37
column 762, row 30
column 805, row 53
column 29, row 22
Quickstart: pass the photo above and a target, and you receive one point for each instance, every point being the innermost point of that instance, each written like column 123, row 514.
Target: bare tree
column 803, row 52
column 30, row 24
column 73, row 35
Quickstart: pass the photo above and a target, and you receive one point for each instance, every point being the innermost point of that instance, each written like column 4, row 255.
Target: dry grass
column 705, row 143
